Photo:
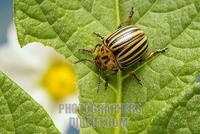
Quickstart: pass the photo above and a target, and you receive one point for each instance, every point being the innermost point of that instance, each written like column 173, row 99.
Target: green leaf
column 19, row 113
column 67, row 25
column 181, row 117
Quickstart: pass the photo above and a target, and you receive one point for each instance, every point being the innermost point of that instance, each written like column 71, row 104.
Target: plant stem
column 119, row 100
column 119, row 80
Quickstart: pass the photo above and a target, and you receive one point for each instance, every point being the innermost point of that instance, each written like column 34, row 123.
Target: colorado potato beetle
column 121, row 49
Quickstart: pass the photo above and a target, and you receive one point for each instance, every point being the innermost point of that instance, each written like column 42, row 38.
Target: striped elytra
column 122, row 48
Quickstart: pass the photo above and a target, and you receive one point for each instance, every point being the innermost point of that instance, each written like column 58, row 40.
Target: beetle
column 123, row 48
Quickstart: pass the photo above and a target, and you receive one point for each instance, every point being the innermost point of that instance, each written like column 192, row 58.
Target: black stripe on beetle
column 121, row 49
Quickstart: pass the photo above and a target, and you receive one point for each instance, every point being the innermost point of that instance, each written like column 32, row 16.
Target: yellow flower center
column 60, row 80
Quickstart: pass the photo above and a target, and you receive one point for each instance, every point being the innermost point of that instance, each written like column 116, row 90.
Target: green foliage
column 67, row 25
column 19, row 113
column 181, row 117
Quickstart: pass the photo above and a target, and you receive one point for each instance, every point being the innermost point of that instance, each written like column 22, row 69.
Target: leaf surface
column 67, row 25
column 19, row 113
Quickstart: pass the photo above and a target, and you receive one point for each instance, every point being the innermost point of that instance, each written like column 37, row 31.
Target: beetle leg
column 99, row 35
column 106, row 83
column 128, row 20
column 81, row 60
column 107, row 78
column 90, row 51
column 132, row 74
column 115, row 72
column 85, row 50
column 153, row 54
column 99, row 80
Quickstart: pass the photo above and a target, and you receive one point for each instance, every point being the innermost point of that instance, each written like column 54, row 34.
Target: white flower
column 43, row 74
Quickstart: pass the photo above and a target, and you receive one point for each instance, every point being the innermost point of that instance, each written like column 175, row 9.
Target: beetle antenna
column 81, row 60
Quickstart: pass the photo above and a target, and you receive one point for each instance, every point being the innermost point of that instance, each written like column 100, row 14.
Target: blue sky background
column 6, row 13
